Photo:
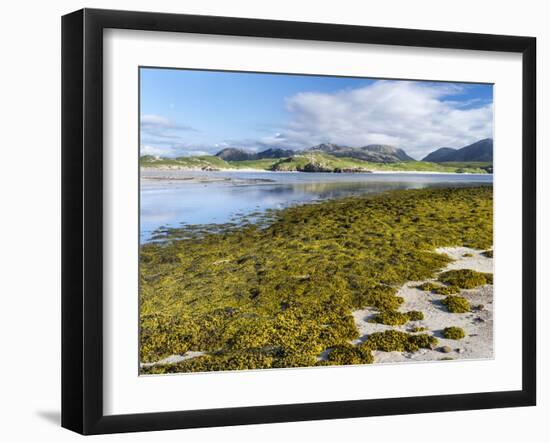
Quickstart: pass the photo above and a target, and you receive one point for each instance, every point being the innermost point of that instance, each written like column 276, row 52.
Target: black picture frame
column 82, row 220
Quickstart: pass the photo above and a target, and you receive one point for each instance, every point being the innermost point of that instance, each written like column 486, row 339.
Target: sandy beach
column 478, row 324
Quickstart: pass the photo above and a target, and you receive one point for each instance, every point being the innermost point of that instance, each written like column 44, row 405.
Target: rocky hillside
column 480, row 151
column 237, row 155
column 370, row 153
column 439, row 155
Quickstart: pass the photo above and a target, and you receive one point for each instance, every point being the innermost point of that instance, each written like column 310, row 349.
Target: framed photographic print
column 269, row 221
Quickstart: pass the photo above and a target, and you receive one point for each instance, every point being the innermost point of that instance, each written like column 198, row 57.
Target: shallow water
column 173, row 198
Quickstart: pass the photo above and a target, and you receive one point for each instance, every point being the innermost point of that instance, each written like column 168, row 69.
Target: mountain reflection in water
column 173, row 198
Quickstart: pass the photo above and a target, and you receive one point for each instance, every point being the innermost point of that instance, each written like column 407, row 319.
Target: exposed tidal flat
column 349, row 278
column 170, row 198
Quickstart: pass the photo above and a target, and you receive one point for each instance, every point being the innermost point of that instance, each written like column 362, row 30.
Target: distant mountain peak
column 481, row 151
column 237, row 154
column 234, row 154
column 374, row 153
column 388, row 150
column 275, row 153
column 327, row 147
column 439, row 154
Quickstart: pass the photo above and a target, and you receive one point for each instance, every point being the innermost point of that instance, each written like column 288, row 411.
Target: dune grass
column 196, row 162
column 308, row 162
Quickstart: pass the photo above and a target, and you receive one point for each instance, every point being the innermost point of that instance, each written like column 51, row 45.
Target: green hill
column 314, row 161
column 198, row 162
column 321, row 162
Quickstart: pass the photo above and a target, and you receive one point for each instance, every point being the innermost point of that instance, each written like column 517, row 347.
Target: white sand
column 478, row 325
column 172, row 359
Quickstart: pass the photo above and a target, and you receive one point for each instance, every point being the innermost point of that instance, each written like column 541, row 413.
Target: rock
column 445, row 349
column 459, row 350
column 315, row 167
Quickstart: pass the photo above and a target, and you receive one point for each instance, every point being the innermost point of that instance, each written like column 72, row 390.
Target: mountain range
column 237, row 155
column 481, row 151
column 370, row 153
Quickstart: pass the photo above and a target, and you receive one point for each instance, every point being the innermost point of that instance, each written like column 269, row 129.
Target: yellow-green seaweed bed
column 279, row 293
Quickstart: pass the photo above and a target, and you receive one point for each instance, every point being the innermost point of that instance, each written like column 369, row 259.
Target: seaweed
column 415, row 315
column 278, row 293
column 456, row 304
column 454, row 333
column 347, row 354
column 428, row 286
column 466, row 278
column 392, row 340
column 394, row 318
column 447, row 290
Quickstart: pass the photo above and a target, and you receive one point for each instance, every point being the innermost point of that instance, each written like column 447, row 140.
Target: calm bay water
column 173, row 198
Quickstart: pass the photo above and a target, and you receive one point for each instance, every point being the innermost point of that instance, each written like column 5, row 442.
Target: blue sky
column 185, row 112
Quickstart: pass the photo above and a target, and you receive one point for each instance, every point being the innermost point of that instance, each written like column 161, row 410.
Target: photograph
column 298, row 221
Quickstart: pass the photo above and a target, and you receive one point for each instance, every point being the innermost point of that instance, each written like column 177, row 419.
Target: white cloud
column 155, row 150
column 152, row 122
column 418, row 117
column 175, row 150
column 197, row 152
column 162, row 136
column 410, row 115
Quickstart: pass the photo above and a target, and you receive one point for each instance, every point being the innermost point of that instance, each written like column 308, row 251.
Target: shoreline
column 301, row 273
column 147, row 169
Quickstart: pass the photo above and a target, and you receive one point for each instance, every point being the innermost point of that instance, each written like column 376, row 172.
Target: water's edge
column 170, row 198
